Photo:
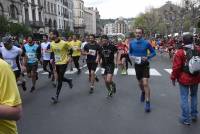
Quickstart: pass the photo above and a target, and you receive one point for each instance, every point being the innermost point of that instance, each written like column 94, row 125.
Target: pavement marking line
column 115, row 71
column 154, row 72
column 83, row 66
column 45, row 73
column 40, row 70
column 131, row 71
column 87, row 72
column 71, row 72
column 168, row 70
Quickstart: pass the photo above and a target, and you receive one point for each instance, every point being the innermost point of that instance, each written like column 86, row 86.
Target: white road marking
column 168, row 70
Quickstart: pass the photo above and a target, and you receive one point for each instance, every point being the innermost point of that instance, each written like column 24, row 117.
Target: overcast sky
column 124, row 8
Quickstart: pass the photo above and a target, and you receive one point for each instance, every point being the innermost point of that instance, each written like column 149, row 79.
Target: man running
column 76, row 46
column 60, row 54
column 107, row 56
column 45, row 50
column 138, row 50
column 31, row 55
column 91, row 51
column 11, row 55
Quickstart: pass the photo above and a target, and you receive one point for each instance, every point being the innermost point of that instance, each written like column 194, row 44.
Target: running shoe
column 24, row 85
column 91, row 90
column 147, row 107
column 54, row 99
column 32, row 89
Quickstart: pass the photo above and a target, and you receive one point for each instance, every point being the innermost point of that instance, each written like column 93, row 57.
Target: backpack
column 192, row 64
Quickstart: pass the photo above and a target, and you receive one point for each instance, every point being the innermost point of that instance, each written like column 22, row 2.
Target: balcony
column 79, row 26
column 35, row 24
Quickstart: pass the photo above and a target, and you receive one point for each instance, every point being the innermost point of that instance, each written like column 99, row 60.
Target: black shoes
column 70, row 83
column 32, row 89
column 91, row 90
column 24, row 85
column 54, row 99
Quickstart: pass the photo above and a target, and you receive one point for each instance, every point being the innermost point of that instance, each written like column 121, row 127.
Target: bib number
column 137, row 60
column 92, row 52
column 31, row 55
column 57, row 58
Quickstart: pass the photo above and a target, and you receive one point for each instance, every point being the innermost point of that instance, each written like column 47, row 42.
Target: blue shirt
column 139, row 48
column 32, row 52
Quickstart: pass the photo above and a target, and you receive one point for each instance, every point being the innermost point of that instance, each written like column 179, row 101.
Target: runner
column 138, row 50
column 76, row 46
column 91, row 51
column 45, row 50
column 10, row 101
column 106, row 54
column 60, row 54
column 31, row 55
column 122, row 56
column 86, row 41
column 11, row 55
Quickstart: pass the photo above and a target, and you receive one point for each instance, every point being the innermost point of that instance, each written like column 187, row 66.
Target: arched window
column 50, row 23
column 13, row 11
column 1, row 10
column 55, row 24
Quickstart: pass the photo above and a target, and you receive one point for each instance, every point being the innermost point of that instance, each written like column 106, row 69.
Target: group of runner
column 55, row 54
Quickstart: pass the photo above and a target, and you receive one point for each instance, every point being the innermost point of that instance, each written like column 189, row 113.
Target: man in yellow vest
column 76, row 46
column 10, row 101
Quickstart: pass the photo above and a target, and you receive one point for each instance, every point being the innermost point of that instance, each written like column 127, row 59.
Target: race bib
column 57, row 58
column 137, row 60
column 75, row 48
column 10, row 62
column 92, row 52
column 31, row 55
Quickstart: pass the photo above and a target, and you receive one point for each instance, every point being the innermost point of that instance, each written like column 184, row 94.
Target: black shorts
column 17, row 74
column 92, row 66
column 109, row 69
column 32, row 67
column 142, row 70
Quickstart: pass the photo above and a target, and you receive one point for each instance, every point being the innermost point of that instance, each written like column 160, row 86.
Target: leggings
column 60, row 69
column 76, row 63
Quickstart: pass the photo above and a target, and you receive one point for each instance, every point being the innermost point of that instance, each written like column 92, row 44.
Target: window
column 45, row 5
column 13, row 12
column 55, row 9
column 51, row 7
column 1, row 10
column 48, row 7
column 33, row 15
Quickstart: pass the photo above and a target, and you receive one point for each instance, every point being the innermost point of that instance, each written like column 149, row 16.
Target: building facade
column 50, row 15
column 78, row 14
column 90, row 20
column 109, row 29
column 12, row 10
column 32, row 12
column 121, row 26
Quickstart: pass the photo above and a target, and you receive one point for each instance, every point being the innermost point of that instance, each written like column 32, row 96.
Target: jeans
column 187, row 113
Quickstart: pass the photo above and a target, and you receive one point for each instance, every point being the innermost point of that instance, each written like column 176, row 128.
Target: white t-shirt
column 83, row 45
column 45, row 48
column 10, row 56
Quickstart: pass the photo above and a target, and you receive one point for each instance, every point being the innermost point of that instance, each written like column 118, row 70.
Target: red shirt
column 178, row 73
column 122, row 47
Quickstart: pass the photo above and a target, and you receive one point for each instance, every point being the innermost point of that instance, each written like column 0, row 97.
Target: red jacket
column 177, row 70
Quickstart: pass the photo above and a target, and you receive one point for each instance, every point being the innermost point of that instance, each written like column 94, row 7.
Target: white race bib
column 75, row 48
column 57, row 58
column 92, row 52
column 137, row 60
column 31, row 55
column 103, row 70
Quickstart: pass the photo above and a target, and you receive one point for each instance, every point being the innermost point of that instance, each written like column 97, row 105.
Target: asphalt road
column 81, row 113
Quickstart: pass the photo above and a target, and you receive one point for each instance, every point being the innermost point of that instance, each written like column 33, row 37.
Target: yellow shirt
column 76, row 46
column 9, row 95
column 60, row 50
